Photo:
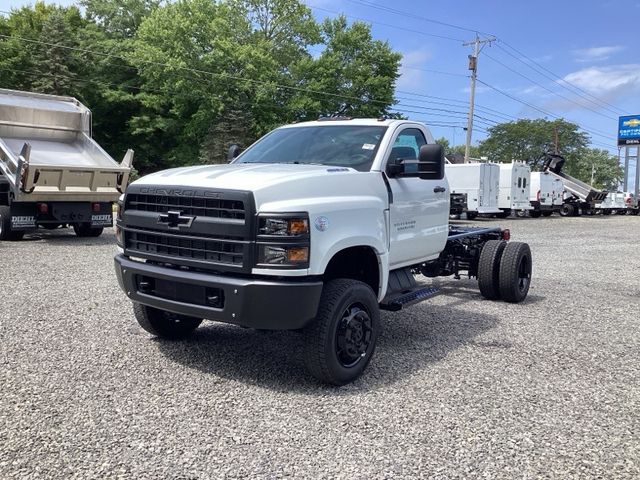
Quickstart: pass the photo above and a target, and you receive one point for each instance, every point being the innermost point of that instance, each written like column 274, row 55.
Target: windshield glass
column 351, row 146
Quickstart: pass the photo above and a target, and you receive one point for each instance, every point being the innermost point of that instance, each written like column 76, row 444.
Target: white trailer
column 515, row 179
column 480, row 182
column 545, row 194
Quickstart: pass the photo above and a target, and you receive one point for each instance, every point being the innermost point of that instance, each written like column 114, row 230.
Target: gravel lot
column 460, row 387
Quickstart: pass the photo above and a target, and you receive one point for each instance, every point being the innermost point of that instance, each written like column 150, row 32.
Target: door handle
column 439, row 189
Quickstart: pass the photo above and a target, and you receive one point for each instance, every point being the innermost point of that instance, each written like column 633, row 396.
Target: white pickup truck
column 315, row 227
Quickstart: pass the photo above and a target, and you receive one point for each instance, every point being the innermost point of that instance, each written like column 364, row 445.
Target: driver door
column 419, row 212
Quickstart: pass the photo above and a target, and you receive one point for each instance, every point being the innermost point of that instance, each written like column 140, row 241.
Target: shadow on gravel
column 65, row 237
column 411, row 341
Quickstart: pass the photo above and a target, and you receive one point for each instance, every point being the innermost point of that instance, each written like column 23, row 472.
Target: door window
column 407, row 147
column 519, row 182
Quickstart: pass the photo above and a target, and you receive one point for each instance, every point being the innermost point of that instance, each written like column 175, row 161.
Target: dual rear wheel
column 504, row 271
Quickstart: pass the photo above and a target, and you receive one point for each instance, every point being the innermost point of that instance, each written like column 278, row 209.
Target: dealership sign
column 629, row 130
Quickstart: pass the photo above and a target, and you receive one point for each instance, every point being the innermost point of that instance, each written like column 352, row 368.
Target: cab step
column 415, row 295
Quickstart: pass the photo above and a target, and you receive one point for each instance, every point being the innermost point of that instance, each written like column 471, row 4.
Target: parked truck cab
column 314, row 227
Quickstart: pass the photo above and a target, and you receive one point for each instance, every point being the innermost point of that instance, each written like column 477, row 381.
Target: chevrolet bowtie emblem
column 175, row 220
column 634, row 122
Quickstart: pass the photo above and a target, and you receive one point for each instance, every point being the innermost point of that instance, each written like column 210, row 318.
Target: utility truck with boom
column 52, row 173
column 316, row 227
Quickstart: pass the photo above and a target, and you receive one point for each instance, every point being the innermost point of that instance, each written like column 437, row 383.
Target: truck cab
column 314, row 227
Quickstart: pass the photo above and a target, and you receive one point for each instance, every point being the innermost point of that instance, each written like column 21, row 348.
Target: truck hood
column 241, row 176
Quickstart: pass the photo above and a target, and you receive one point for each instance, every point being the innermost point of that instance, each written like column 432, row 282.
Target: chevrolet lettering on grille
column 175, row 220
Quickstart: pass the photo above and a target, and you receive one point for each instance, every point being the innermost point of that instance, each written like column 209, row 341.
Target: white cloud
column 410, row 76
column 607, row 82
column 594, row 54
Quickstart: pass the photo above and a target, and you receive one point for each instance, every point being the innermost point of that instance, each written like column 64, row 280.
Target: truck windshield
column 351, row 146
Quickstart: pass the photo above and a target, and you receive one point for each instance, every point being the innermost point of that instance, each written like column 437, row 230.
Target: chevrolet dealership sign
column 629, row 130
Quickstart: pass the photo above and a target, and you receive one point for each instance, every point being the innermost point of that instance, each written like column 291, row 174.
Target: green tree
column 357, row 72
column 528, row 140
column 120, row 18
column 596, row 164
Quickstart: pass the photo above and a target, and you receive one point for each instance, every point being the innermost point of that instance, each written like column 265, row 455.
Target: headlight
column 283, row 240
column 283, row 226
column 283, row 255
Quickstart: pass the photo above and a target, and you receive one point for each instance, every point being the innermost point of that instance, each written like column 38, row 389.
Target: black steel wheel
column 567, row 210
column 86, row 230
column 515, row 272
column 163, row 324
column 489, row 269
column 341, row 340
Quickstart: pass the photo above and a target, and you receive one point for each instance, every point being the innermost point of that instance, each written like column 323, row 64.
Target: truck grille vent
column 197, row 249
column 196, row 206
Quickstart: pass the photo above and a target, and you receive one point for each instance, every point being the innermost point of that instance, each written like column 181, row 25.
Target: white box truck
column 515, row 179
column 545, row 194
column 614, row 203
column 315, row 227
column 480, row 182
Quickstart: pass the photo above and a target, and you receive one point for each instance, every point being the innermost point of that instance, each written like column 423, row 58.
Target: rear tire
column 489, row 269
column 515, row 272
column 163, row 324
column 341, row 340
column 5, row 226
column 86, row 230
column 567, row 210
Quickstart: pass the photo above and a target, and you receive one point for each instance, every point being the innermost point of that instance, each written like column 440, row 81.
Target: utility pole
column 555, row 131
column 478, row 45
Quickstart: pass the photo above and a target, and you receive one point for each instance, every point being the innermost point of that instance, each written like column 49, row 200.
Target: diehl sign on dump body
column 629, row 130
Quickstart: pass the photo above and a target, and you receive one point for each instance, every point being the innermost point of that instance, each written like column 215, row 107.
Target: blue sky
column 590, row 44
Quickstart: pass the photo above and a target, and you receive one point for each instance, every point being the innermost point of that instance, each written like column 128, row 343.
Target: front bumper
column 249, row 302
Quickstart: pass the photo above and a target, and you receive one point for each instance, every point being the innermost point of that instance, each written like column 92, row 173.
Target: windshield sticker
column 368, row 146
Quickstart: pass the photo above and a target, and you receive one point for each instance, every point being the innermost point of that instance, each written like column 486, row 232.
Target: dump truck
column 480, row 185
column 316, row 227
column 579, row 197
column 52, row 172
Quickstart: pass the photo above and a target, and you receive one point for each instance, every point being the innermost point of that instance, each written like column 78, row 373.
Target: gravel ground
column 460, row 387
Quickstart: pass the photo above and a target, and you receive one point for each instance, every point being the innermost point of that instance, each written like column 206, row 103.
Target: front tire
column 489, row 269
column 163, row 324
column 341, row 340
column 515, row 272
column 535, row 213
column 86, row 230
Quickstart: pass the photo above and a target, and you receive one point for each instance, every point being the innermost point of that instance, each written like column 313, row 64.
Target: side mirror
column 234, row 151
column 431, row 162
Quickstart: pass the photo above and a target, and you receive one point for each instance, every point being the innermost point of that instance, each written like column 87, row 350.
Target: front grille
column 192, row 205
column 215, row 228
column 165, row 245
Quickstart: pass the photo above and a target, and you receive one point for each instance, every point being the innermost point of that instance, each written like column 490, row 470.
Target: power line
column 548, row 89
column 540, row 70
column 413, row 15
column 544, row 112
column 375, row 22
